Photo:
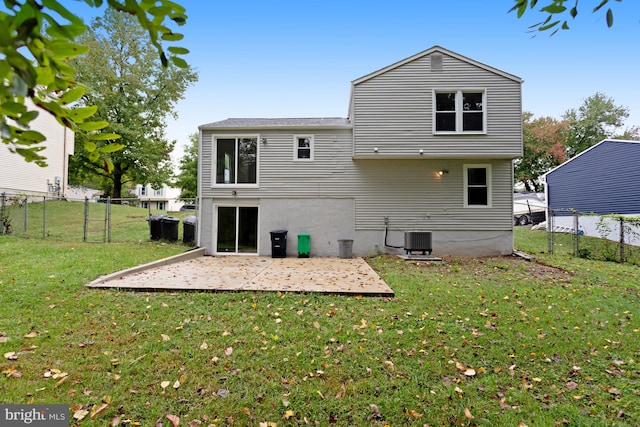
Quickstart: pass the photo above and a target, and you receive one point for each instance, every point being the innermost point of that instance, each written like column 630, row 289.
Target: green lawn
column 497, row 341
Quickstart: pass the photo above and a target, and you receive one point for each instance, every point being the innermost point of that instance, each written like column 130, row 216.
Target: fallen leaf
column 614, row 391
column 174, row 420
column 228, row 351
column 12, row 355
column 204, row 346
column 470, row 372
column 31, row 334
column 80, row 414
column 374, row 409
column 414, row 414
column 467, row 413
column 165, row 384
column 176, row 385
column 165, row 337
column 571, row 385
column 98, row 410
column 288, row 414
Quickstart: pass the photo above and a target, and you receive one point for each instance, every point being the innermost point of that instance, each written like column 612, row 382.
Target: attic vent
column 417, row 241
column 436, row 62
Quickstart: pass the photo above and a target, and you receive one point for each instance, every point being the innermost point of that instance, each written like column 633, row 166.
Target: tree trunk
column 117, row 185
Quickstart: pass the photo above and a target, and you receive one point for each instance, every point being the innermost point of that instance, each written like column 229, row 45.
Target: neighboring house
column 601, row 180
column 20, row 177
column 163, row 199
column 428, row 145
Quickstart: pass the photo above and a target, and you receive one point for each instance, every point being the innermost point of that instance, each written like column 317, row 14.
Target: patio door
column 237, row 229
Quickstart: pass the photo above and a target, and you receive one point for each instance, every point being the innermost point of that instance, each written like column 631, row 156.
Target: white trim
column 459, row 111
column 465, row 177
column 296, row 148
column 214, row 152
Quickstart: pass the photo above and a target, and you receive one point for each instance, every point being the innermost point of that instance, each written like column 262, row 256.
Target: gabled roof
column 278, row 123
column 444, row 51
column 636, row 144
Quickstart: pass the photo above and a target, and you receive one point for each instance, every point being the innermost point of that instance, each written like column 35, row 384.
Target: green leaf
column 12, row 108
column 609, row 18
column 179, row 62
column 105, row 137
column 565, row 26
column 111, row 148
column 90, row 146
column 554, row 8
column 64, row 49
column 574, row 12
column 28, row 117
column 598, row 7
column 171, row 36
column 91, row 126
column 81, row 113
column 29, row 137
column 551, row 25
column 178, row 50
column 73, row 94
column 31, row 155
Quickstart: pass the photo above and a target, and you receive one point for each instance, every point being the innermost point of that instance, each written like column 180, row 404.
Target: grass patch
column 499, row 339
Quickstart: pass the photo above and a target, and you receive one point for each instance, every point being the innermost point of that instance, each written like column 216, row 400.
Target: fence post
column 550, row 230
column 576, row 225
column 109, row 219
column 622, row 239
column 26, row 213
column 44, row 217
column 86, row 216
column 2, row 214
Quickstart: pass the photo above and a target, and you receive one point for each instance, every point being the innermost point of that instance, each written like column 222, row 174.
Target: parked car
column 188, row 207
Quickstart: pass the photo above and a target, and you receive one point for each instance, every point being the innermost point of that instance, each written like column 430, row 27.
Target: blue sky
column 282, row 58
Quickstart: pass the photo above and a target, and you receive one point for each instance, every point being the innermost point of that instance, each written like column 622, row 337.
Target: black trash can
column 155, row 226
column 170, row 228
column 189, row 229
column 279, row 244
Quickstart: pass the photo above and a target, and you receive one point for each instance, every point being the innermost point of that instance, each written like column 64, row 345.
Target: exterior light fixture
column 375, row 149
column 442, row 172
column 421, row 151
column 263, row 140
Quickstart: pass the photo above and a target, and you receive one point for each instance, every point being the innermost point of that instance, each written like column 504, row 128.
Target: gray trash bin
column 345, row 248
column 155, row 226
column 170, row 228
column 189, row 229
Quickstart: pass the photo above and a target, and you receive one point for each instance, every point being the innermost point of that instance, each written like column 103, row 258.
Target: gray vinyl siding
column 603, row 180
column 393, row 112
column 413, row 196
column 409, row 192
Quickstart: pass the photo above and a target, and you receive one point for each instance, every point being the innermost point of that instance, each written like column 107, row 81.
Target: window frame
column 143, row 190
column 459, row 111
column 488, row 185
column 158, row 192
column 214, row 168
column 296, row 148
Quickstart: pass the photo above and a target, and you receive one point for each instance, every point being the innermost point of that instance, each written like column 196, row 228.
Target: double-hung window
column 303, row 147
column 460, row 111
column 236, row 160
column 477, row 185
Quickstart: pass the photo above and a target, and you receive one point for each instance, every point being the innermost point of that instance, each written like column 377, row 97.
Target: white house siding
column 19, row 176
column 392, row 111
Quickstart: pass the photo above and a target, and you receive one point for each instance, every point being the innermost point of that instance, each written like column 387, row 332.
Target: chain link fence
column 600, row 237
column 95, row 220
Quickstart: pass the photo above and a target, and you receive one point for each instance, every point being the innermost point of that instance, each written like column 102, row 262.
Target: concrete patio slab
column 193, row 271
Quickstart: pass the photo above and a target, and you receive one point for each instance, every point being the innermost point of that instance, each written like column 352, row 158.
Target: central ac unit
column 417, row 241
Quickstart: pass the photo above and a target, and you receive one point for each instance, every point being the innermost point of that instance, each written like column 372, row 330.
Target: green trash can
column 304, row 245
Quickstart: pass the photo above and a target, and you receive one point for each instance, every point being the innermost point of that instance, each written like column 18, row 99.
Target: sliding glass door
column 237, row 229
